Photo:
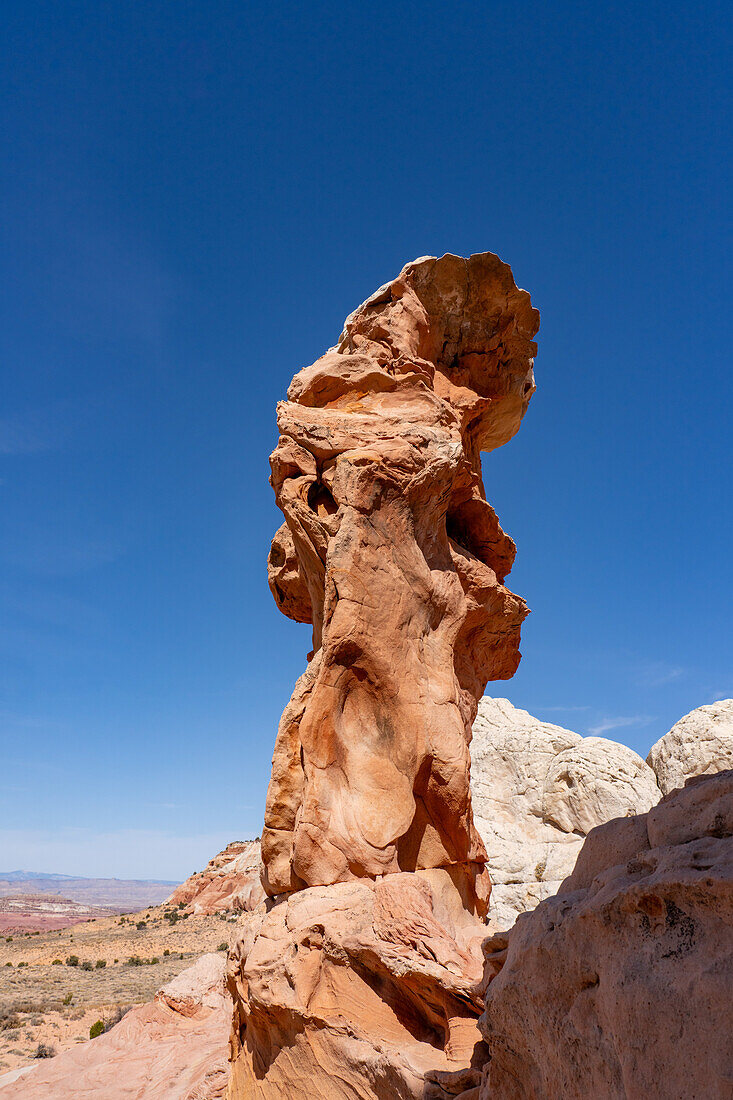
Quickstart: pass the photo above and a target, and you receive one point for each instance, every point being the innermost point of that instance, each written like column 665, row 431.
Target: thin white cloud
column 659, row 673
column 618, row 723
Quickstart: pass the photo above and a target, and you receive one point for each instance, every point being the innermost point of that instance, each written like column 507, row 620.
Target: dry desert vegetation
column 55, row 986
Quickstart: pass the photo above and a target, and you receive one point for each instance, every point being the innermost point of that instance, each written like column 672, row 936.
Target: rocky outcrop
column 538, row 789
column 391, row 551
column 361, row 981
column 619, row 986
column 701, row 743
column 174, row 1048
column 230, row 881
column 358, row 989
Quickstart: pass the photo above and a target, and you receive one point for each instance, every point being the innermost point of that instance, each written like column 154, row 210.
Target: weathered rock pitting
column 390, row 549
column 701, row 743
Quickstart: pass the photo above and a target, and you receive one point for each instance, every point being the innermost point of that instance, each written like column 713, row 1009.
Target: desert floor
column 54, row 1006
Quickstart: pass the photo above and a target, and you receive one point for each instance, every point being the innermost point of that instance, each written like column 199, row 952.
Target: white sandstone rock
column 538, row 789
column 701, row 743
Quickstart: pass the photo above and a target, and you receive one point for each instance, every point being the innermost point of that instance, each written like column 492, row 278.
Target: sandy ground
column 32, row 1011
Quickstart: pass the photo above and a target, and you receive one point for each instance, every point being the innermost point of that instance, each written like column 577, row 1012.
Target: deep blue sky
column 194, row 197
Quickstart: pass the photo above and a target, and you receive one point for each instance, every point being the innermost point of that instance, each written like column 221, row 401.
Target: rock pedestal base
column 361, row 990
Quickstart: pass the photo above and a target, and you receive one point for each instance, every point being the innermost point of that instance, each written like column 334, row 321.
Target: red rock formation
column 391, row 551
column 229, row 881
column 620, row 986
column 356, row 990
column 361, row 981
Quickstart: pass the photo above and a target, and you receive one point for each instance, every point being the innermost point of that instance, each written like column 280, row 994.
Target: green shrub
column 100, row 964
column 223, row 946
column 68, row 999
column 135, row 960
column 8, row 939
column 57, row 962
column 96, row 1029
column 166, row 952
column 22, row 964
column 43, row 1051
column 86, row 965
column 141, row 924
column 72, row 960
column 154, row 961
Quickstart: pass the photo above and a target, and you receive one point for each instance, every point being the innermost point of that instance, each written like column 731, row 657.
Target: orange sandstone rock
column 229, row 882
column 391, row 550
column 362, row 980
column 357, row 990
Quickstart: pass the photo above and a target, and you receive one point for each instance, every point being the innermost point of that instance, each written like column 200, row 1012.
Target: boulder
column 620, row 986
column 701, row 743
column 538, row 790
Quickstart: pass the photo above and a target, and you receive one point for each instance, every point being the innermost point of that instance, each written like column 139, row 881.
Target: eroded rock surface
column 391, row 551
column 701, row 743
column 620, row 986
column 231, row 881
column 174, row 1048
column 362, row 980
column 358, row 990
column 538, row 789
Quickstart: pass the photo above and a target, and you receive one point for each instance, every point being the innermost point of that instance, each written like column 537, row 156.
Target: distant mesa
column 32, row 901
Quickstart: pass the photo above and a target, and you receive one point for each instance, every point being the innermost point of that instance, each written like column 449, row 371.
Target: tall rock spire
column 391, row 550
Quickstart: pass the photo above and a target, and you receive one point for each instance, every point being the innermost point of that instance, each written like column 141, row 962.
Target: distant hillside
column 26, row 876
column 121, row 894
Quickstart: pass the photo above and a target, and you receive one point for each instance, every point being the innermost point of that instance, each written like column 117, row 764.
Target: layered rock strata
column 620, row 985
column 390, row 549
column 358, row 990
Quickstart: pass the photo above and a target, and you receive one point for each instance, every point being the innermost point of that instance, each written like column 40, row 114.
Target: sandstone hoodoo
column 362, row 980
column 391, row 550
